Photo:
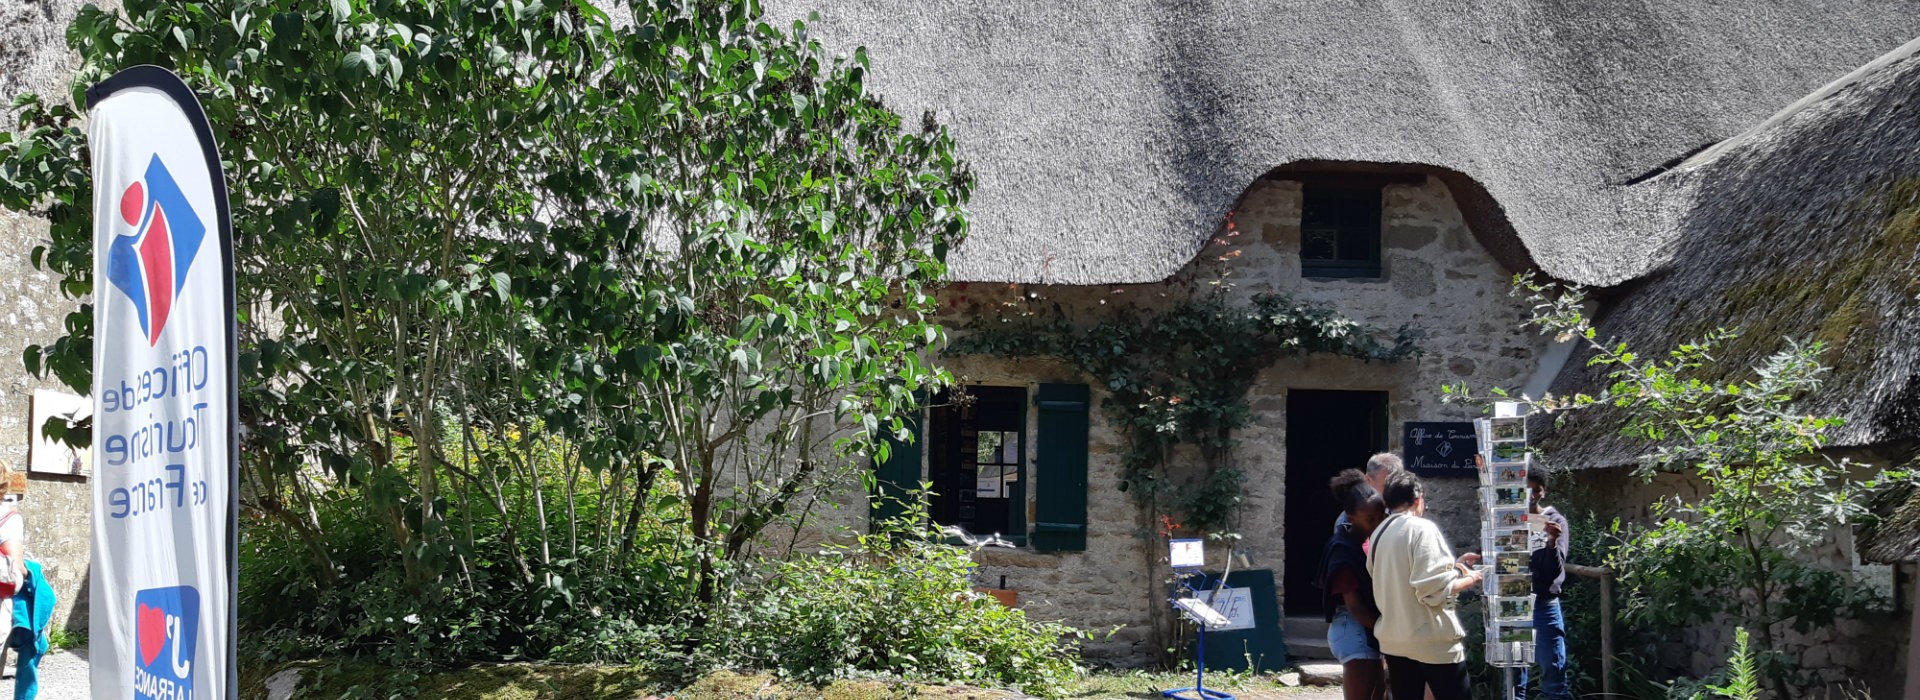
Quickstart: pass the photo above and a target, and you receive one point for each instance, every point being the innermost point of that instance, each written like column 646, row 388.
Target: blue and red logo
column 166, row 625
column 150, row 266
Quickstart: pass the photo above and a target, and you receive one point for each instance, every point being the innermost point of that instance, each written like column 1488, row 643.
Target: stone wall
column 1871, row 651
column 1436, row 277
column 33, row 58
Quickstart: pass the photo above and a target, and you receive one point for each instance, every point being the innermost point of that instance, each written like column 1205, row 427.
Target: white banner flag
column 164, row 401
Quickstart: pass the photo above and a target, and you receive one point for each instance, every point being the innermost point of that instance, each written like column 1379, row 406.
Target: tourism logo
column 166, row 624
column 150, row 266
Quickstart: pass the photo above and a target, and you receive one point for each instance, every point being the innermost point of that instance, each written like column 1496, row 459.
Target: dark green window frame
column 1340, row 229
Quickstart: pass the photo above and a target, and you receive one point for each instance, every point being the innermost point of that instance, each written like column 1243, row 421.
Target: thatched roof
column 1894, row 535
column 1110, row 136
column 1806, row 228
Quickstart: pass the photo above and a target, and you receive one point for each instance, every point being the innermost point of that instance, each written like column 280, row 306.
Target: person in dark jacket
column 1348, row 589
column 1549, row 565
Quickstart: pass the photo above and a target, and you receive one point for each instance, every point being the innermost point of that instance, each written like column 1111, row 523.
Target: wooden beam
column 1605, row 576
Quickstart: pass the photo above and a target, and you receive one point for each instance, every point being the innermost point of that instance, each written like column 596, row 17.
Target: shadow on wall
column 77, row 615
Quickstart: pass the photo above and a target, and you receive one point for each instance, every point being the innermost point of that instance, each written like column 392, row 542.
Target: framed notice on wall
column 46, row 455
column 1438, row 449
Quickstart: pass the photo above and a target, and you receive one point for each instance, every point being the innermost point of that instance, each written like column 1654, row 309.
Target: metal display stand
column 1507, row 533
column 1187, row 557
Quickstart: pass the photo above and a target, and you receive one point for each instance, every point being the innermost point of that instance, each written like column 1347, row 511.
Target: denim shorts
column 1349, row 639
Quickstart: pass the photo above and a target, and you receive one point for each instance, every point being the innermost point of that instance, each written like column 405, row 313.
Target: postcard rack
column 1508, row 534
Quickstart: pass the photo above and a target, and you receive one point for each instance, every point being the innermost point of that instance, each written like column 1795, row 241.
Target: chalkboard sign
column 1438, row 449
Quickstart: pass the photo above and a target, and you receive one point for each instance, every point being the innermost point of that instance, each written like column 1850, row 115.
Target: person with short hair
column 1548, row 562
column 1347, row 589
column 1382, row 466
column 1416, row 582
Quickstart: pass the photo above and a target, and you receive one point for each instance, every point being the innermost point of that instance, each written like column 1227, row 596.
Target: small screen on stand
column 1186, row 554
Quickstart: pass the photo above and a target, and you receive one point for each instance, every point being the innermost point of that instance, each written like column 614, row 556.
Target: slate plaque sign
column 1438, row 449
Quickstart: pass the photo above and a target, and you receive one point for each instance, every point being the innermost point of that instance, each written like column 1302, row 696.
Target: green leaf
column 353, row 67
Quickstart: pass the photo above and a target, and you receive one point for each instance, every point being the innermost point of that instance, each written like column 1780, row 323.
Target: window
column 976, row 460
column 1340, row 229
column 976, row 448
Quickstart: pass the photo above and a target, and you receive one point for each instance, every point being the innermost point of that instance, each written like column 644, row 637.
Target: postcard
column 1509, row 518
column 1509, row 430
column 1513, row 608
column 1511, row 563
column 1505, row 496
column 1516, row 585
column 1507, row 452
column 1512, row 541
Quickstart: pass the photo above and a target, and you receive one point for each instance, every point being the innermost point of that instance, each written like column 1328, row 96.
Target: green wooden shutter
column 898, row 476
column 1060, row 469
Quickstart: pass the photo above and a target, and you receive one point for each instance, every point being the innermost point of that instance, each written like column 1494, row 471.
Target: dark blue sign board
column 1261, row 649
column 1438, row 449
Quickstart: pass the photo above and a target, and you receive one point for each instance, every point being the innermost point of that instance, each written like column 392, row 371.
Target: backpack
column 10, row 569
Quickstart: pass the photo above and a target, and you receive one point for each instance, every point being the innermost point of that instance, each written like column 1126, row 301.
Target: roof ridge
column 1712, row 153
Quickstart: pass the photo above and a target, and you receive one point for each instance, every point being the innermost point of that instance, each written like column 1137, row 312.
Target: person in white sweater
column 1415, row 582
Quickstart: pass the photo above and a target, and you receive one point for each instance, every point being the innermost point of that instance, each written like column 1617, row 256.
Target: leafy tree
column 1772, row 495
column 515, row 265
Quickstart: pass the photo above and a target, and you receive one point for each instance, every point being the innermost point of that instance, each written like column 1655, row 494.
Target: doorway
column 976, row 460
column 1327, row 431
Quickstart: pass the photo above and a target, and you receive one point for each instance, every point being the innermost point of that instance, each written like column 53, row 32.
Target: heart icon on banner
column 151, row 628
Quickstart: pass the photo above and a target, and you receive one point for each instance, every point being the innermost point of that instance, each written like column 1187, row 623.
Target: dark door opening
column 976, row 460
column 1327, row 431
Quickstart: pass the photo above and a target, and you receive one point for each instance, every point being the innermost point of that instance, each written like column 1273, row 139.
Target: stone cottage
column 1397, row 162
column 1393, row 161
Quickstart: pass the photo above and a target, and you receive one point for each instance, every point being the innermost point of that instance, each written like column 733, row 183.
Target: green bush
column 891, row 604
column 897, row 604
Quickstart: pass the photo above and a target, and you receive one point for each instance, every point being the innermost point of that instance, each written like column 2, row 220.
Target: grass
column 359, row 679
column 1148, row 684
column 63, row 638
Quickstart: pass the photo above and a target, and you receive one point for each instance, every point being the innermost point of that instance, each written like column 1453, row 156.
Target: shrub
column 891, row 603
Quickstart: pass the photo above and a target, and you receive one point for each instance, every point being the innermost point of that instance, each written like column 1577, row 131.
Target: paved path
column 63, row 676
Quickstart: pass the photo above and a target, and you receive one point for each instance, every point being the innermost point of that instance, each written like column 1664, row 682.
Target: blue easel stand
column 1200, row 690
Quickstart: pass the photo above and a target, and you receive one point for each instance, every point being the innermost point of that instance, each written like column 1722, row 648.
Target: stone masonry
column 1436, row 277
column 33, row 58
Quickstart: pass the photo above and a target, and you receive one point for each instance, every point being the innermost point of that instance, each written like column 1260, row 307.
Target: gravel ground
column 63, row 675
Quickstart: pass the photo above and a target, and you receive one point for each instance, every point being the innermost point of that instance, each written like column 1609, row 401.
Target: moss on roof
column 1809, row 231
column 1894, row 534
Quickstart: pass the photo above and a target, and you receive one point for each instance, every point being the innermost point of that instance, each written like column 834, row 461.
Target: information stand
column 1187, row 556
column 1507, row 532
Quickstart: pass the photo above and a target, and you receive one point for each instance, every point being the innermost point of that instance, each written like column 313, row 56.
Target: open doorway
column 1327, row 431
column 976, row 460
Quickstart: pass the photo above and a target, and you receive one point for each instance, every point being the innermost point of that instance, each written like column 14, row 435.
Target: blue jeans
column 1349, row 639
column 26, row 676
column 1550, row 651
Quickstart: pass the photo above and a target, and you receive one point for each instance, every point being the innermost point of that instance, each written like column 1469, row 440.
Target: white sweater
column 1413, row 574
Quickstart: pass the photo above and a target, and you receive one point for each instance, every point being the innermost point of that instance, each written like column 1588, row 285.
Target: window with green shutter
column 1060, row 468
column 896, row 477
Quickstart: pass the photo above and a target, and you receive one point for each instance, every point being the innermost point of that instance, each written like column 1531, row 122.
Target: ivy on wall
column 1180, row 376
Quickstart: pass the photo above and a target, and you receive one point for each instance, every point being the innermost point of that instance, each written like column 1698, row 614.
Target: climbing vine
column 1180, row 376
